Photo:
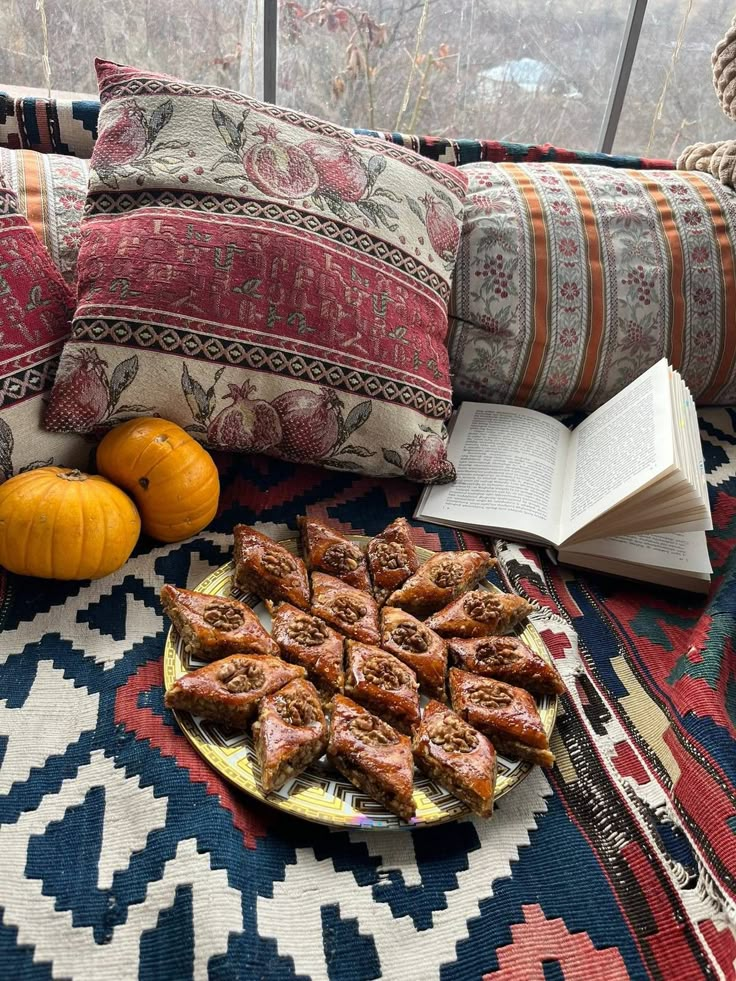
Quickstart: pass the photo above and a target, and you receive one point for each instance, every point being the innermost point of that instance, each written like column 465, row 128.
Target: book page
column 619, row 449
column 686, row 551
column 510, row 464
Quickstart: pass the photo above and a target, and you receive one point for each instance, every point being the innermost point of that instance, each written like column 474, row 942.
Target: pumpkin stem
column 73, row 475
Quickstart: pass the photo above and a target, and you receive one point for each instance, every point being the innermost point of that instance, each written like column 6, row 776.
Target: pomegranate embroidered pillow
column 35, row 308
column 271, row 282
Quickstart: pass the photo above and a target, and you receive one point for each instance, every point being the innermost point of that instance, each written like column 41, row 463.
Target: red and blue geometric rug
column 122, row 855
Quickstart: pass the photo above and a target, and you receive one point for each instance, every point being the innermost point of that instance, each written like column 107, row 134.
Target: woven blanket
column 123, row 856
column 70, row 127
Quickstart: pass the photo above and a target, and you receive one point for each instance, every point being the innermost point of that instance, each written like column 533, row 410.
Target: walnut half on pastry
column 507, row 715
column 228, row 691
column 267, row 569
column 441, row 578
column 373, row 756
column 212, row 627
column 289, row 734
column 457, row 756
column 480, row 613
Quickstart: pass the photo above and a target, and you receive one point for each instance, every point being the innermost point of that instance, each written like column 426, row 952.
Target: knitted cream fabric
column 718, row 159
column 724, row 71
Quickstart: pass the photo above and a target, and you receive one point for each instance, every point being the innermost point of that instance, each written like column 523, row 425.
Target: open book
column 624, row 492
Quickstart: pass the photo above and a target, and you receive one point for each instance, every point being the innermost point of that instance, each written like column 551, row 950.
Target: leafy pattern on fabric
column 287, row 280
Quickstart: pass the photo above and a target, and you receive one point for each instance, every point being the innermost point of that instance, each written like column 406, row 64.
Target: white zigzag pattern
column 293, row 915
column 216, row 906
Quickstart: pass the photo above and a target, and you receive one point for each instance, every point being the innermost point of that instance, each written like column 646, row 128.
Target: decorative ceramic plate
column 320, row 793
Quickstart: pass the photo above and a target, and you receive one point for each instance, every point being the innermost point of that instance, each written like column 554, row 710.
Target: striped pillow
column 35, row 308
column 50, row 190
column 573, row 280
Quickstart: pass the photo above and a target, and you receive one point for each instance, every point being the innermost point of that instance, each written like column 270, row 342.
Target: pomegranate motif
column 81, row 394
column 279, row 168
column 427, row 459
column 245, row 424
column 310, row 423
column 442, row 228
column 123, row 141
column 340, row 170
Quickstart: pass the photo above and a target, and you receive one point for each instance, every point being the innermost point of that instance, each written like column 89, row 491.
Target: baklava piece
column 307, row 640
column 352, row 612
column 418, row 647
column 441, row 578
column 456, row 756
column 328, row 551
column 381, row 683
column 480, row 613
column 265, row 568
column 372, row 755
column 212, row 627
column 392, row 559
column 228, row 691
column 507, row 659
column 289, row 734
column 507, row 715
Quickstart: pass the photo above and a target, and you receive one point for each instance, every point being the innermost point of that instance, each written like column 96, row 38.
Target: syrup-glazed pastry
column 228, row 691
column 441, row 578
column 326, row 550
column 349, row 610
column 211, row 627
column 289, row 734
column 418, row 647
column 380, row 682
column 506, row 659
column 307, row 640
column 267, row 569
column 480, row 613
column 457, row 756
column 372, row 755
column 392, row 559
column 507, row 715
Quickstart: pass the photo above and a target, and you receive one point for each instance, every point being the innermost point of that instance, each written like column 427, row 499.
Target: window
column 522, row 70
column 519, row 70
column 670, row 101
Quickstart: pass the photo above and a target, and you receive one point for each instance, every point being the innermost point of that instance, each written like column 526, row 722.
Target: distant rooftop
column 531, row 76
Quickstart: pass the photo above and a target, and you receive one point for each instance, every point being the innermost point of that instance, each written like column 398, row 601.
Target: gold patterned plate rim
column 321, row 794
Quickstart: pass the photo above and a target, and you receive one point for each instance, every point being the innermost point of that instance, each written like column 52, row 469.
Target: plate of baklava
column 360, row 682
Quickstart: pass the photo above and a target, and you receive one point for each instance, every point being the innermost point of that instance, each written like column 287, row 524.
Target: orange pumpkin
column 171, row 478
column 57, row 523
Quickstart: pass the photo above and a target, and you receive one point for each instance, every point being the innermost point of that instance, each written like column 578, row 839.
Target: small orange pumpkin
column 57, row 523
column 172, row 479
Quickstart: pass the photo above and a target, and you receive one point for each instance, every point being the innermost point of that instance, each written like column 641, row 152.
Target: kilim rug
column 123, row 856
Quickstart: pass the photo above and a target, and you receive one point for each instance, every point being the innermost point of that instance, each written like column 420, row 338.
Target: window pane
column 213, row 41
column 671, row 101
column 521, row 70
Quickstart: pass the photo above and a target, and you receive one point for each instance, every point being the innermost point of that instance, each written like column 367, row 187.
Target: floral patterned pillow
column 269, row 281
column 35, row 309
column 573, row 280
